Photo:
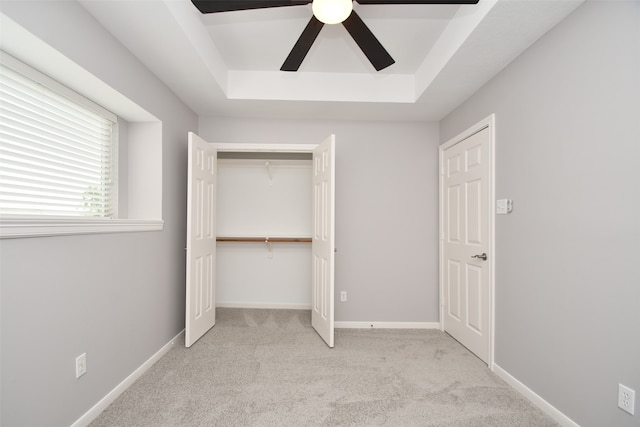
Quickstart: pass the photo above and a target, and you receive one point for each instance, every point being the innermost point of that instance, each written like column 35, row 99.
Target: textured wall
column 567, row 151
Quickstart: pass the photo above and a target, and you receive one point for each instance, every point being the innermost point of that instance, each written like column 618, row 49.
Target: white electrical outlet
column 81, row 365
column 343, row 296
column 626, row 398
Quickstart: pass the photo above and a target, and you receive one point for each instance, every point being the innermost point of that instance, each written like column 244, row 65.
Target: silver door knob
column 483, row 256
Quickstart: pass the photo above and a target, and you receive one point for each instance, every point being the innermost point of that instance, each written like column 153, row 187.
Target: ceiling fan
column 324, row 12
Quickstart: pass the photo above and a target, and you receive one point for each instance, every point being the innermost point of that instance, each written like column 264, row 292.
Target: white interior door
column 466, row 201
column 201, row 239
column 323, row 242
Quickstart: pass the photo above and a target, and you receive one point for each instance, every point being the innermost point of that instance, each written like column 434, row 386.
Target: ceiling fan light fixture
column 332, row 11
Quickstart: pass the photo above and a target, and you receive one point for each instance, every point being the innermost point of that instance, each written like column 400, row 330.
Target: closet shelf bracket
column 269, row 247
column 268, row 166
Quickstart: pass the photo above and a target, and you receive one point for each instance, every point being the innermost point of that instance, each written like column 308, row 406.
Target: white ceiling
column 227, row 64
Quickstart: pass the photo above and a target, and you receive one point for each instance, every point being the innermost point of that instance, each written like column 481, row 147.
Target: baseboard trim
column 387, row 325
column 281, row 306
column 545, row 406
column 97, row 409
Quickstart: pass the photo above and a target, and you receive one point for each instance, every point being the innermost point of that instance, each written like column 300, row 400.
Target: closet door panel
column 323, row 244
column 200, row 306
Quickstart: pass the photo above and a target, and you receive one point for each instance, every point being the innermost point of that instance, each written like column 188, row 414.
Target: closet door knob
column 483, row 256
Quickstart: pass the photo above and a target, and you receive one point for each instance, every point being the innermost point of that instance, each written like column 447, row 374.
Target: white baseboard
column 281, row 306
column 545, row 406
column 93, row 413
column 387, row 325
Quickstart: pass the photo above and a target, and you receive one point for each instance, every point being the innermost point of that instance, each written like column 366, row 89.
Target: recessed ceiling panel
column 228, row 63
column 260, row 40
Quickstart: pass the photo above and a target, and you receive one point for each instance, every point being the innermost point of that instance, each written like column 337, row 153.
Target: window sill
column 16, row 228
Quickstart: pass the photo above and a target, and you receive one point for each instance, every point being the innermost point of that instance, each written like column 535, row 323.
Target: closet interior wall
column 262, row 198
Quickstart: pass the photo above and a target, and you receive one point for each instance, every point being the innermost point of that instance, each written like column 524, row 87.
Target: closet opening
column 260, row 231
column 264, row 230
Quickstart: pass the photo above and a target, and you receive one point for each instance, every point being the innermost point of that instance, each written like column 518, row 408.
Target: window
column 56, row 153
column 58, row 160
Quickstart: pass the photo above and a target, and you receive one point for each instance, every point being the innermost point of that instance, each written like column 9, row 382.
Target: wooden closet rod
column 264, row 239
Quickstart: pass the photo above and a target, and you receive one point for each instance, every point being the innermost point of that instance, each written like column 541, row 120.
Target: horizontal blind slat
column 13, row 99
column 25, row 85
column 65, row 135
column 10, row 179
column 35, row 166
column 49, row 191
column 82, row 203
column 49, row 155
column 52, row 124
column 39, row 211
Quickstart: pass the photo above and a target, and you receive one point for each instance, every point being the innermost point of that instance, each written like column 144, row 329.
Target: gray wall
column 117, row 297
column 568, row 146
column 386, row 210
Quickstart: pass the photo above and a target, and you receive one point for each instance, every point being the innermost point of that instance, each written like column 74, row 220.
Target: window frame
column 15, row 226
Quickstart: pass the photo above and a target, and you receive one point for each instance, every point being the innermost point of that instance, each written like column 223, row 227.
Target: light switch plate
column 504, row 206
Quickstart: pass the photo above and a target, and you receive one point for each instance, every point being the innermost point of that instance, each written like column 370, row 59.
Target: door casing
column 488, row 123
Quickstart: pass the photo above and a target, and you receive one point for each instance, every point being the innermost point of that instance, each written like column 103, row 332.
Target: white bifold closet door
column 201, row 239
column 201, row 236
column 323, row 240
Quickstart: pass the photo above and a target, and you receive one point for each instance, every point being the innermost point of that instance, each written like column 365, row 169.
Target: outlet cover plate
column 626, row 399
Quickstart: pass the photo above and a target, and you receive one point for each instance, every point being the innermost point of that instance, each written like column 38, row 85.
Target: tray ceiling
column 227, row 64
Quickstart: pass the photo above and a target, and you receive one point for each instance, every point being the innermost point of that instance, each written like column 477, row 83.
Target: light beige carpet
column 269, row 368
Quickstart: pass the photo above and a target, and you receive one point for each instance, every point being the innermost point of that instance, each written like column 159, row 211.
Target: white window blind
column 56, row 155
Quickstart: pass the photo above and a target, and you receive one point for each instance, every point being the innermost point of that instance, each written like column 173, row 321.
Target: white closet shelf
column 263, row 239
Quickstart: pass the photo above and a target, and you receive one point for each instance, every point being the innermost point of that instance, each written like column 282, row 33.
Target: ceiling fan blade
column 213, row 6
column 302, row 46
column 371, row 47
column 417, row 1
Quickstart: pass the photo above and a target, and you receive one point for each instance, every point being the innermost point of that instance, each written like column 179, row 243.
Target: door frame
column 486, row 123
